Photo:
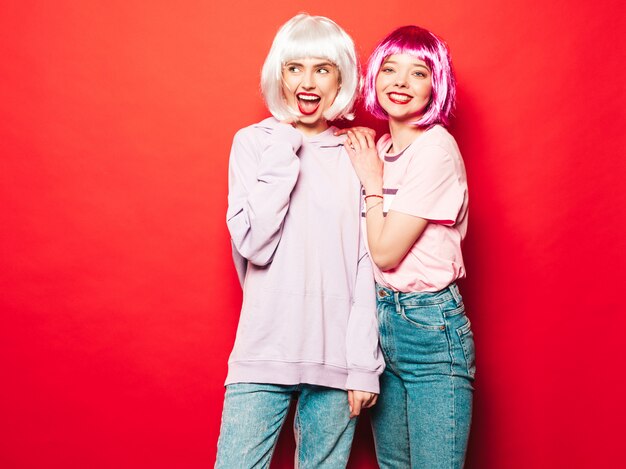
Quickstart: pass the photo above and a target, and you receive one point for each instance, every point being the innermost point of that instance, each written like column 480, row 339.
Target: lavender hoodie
column 309, row 307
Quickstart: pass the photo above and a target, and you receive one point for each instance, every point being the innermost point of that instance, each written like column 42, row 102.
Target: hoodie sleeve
column 364, row 358
column 262, row 174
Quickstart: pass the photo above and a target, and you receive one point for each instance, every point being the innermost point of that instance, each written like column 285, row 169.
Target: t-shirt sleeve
column 431, row 187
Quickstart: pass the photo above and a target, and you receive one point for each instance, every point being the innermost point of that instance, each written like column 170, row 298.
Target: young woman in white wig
column 308, row 328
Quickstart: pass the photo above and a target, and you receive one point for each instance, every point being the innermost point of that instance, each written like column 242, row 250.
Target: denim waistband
column 388, row 295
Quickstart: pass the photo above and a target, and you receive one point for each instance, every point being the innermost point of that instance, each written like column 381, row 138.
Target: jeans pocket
column 466, row 336
column 424, row 317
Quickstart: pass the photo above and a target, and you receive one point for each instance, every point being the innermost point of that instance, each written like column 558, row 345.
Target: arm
column 364, row 359
column 260, row 185
column 389, row 238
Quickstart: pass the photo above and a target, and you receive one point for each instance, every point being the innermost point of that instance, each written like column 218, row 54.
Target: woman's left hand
column 360, row 400
column 368, row 166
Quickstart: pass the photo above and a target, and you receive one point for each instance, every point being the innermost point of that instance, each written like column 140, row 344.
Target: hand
column 360, row 400
column 365, row 160
column 364, row 130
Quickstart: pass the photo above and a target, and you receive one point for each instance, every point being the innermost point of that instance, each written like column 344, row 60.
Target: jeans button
column 382, row 293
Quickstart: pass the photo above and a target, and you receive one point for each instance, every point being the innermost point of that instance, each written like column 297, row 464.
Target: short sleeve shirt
column 427, row 180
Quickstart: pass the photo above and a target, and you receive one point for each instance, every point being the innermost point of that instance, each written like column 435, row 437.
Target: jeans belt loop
column 396, row 299
column 455, row 293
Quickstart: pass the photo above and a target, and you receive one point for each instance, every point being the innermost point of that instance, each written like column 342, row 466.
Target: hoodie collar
column 325, row 139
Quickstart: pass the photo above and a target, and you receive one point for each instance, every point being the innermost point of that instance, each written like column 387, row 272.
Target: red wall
column 119, row 302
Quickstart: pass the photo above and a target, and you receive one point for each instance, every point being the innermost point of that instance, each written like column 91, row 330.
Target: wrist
column 374, row 206
column 378, row 197
column 373, row 185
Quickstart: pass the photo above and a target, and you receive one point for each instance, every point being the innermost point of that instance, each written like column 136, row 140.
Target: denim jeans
column 254, row 414
column 422, row 418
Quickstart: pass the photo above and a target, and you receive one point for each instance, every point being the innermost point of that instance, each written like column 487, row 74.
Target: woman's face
column 310, row 85
column 404, row 87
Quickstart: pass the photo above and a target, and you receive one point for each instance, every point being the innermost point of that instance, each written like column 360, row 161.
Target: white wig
column 306, row 36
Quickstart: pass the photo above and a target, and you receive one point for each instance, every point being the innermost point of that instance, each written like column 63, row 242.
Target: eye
column 323, row 70
column 293, row 69
column 386, row 70
column 419, row 74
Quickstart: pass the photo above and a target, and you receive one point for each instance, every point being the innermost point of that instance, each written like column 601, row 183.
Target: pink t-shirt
column 427, row 180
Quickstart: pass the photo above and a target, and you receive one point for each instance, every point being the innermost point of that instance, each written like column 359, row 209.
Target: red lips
column 308, row 103
column 399, row 98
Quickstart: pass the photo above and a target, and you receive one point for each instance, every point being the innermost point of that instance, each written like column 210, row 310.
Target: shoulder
column 326, row 139
column 438, row 140
column 433, row 152
column 249, row 142
column 436, row 154
column 257, row 131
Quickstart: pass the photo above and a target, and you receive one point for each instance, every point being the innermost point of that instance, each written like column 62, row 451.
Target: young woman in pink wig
column 415, row 192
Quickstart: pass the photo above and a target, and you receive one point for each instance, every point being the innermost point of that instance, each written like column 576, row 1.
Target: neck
column 310, row 130
column 403, row 134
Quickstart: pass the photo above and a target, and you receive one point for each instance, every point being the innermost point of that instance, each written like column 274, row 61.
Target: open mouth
column 308, row 103
column 399, row 98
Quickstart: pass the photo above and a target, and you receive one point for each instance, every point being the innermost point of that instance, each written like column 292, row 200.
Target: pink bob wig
column 424, row 45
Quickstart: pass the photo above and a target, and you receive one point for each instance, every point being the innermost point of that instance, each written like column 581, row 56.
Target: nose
column 308, row 80
column 401, row 80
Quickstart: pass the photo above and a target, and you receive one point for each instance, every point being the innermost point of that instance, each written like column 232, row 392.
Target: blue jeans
column 422, row 418
column 254, row 414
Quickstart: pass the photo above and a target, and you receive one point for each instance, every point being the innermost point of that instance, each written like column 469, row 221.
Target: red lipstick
column 308, row 103
column 399, row 98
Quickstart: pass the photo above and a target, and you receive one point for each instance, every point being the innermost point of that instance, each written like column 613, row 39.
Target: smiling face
column 310, row 85
column 404, row 87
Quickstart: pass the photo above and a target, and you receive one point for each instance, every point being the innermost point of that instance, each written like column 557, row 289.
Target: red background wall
column 119, row 302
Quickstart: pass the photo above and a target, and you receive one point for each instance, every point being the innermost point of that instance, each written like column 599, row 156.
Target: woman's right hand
column 358, row 400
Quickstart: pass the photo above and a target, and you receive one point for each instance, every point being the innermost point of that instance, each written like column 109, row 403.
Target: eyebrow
column 415, row 64
column 321, row 64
